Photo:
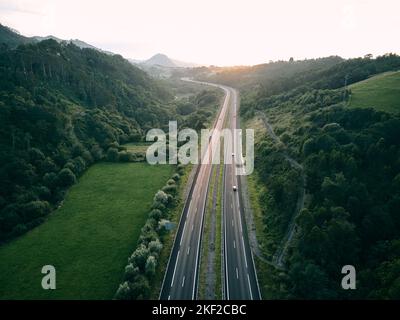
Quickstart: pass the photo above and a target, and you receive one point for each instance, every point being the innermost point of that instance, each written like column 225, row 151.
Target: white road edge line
column 176, row 263
column 248, row 280
column 244, row 250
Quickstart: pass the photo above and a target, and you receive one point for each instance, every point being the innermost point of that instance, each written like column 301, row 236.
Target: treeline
column 274, row 78
column 142, row 264
column 350, row 159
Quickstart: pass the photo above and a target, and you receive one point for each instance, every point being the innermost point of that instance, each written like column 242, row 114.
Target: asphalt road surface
column 240, row 275
column 181, row 277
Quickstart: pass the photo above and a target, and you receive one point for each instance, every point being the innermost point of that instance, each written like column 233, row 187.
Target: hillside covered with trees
column 61, row 108
column 349, row 158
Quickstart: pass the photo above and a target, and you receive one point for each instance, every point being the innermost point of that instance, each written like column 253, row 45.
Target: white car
column 234, row 188
column 233, row 154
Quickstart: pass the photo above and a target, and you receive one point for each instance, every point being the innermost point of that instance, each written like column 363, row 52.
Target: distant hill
column 11, row 37
column 79, row 43
column 160, row 60
column 381, row 92
column 163, row 60
column 272, row 74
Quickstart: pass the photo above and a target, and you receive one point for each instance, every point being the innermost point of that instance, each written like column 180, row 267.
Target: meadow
column 381, row 92
column 88, row 239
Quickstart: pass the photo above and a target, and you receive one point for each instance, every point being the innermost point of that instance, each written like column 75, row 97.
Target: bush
column 155, row 247
column 161, row 197
column 66, row 178
column 87, row 156
column 125, row 156
column 171, row 182
column 124, row 292
column 148, row 236
column 171, row 189
column 151, row 264
column 158, row 205
column 140, row 288
column 131, row 272
column 97, row 152
column 79, row 164
column 139, row 256
column 35, row 209
column 112, row 155
column 155, row 214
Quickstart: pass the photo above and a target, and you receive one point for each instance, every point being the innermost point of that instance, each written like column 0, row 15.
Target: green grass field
column 381, row 92
column 89, row 239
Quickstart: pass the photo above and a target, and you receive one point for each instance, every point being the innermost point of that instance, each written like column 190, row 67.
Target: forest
column 350, row 158
column 62, row 108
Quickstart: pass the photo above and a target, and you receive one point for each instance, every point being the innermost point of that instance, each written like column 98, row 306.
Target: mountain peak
column 161, row 60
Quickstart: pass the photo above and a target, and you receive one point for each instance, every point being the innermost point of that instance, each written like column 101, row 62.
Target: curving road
column 181, row 277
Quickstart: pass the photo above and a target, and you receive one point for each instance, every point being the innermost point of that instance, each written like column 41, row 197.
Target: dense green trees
column 61, row 109
column 350, row 159
column 278, row 77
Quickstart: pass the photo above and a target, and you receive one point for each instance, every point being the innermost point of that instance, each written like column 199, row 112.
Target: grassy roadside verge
column 176, row 212
column 169, row 238
column 205, row 246
column 265, row 272
column 205, row 249
column 254, row 190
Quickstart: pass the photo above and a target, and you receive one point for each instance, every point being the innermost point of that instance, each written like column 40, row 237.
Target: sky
column 218, row 32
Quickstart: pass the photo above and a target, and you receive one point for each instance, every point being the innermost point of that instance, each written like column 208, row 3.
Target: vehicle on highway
column 234, row 188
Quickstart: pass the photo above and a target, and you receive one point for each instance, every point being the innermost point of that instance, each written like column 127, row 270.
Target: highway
column 180, row 281
column 181, row 276
column 240, row 281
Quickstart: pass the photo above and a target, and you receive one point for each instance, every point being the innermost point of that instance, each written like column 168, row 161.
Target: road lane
column 181, row 277
column 240, row 274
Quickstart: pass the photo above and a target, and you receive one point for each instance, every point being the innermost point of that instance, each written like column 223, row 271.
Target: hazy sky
column 222, row 32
